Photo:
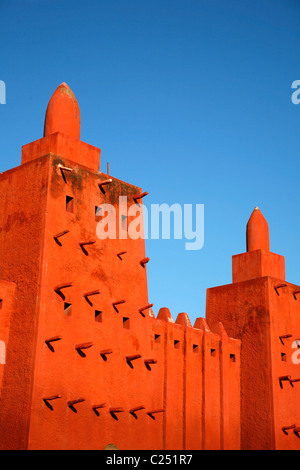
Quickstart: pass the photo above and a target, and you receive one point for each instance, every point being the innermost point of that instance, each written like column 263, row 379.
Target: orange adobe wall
column 84, row 363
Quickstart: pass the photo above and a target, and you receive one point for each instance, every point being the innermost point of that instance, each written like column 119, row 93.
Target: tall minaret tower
column 64, row 288
column 263, row 311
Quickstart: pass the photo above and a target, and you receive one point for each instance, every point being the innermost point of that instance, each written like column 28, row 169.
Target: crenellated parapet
column 154, row 377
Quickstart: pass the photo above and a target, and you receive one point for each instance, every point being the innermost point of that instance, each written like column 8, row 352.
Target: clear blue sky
column 188, row 99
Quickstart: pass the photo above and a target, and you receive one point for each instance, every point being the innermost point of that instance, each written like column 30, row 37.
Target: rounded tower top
column 63, row 114
column 257, row 233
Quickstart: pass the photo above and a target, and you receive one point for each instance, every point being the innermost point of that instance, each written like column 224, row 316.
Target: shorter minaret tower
column 258, row 261
column 263, row 310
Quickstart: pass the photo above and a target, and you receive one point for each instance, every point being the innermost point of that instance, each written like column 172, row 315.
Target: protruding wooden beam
column 282, row 337
column 148, row 363
column 63, row 169
column 104, row 352
column 95, row 408
column 144, row 261
column 153, row 412
column 287, row 428
column 285, row 378
column 48, row 399
column 89, row 294
column 119, row 302
column 141, row 310
column 58, row 289
column 133, row 411
column 84, row 244
column 140, row 196
column 80, row 347
column 120, row 254
column 71, row 403
column 51, row 340
column 279, row 286
column 59, row 235
column 102, row 184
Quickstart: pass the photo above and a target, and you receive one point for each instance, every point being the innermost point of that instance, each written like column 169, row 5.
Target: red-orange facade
column 84, row 363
